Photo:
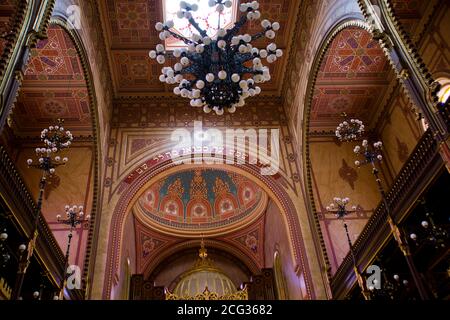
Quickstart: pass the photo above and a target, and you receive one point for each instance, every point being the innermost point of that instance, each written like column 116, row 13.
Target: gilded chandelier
column 220, row 72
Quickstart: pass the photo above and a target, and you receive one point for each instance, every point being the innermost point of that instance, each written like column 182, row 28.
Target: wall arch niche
column 262, row 216
column 57, row 84
column 352, row 75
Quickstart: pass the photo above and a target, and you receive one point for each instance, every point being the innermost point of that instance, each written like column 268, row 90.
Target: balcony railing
column 423, row 164
column 17, row 196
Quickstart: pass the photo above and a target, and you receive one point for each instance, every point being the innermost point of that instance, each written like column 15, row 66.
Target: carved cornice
column 410, row 46
column 420, row 169
column 392, row 34
column 42, row 21
column 307, row 134
column 13, row 36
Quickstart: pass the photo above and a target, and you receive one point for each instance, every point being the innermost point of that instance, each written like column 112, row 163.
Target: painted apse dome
column 199, row 202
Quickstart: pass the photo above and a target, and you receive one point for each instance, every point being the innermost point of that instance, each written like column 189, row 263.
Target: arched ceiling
column 130, row 34
column 54, row 87
column 201, row 202
column 353, row 78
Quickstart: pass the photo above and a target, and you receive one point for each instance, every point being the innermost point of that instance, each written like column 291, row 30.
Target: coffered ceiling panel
column 54, row 87
column 353, row 78
column 130, row 34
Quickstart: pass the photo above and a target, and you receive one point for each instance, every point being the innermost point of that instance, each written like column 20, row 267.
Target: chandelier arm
column 237, row 26
column 177, row 36
column 194, row 57
column 244, row 57
column 259, row 35
column 196, row 26
column 250, row 70
column 188, row 70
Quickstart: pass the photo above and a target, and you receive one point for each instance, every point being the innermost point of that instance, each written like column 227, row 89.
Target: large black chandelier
column 220, row 72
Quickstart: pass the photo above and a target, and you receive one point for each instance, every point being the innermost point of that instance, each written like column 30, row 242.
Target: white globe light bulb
column 270, row 34
column 210, row 77
column 200, row 84
column 177, row 53
column 276, row 26
column 221, row 32
column 170, row 24
column 159, row 26
column 243, row 7
column 200, row 48
column 207, row 41
column 222, row 75
column 184, row 61
column 235, row 77
column 161, row 59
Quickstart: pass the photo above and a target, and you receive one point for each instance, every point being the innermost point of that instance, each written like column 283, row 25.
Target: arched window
column 280, row 281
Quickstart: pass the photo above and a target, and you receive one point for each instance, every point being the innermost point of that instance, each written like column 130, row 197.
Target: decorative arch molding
column 267, row 183
column 326, row 43
column 81, row 52
column 249, row 262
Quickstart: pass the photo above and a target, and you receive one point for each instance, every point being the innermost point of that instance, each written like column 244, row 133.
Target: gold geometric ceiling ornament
column 204, row 281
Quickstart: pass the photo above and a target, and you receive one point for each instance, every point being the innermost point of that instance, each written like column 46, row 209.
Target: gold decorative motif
column 176, row 188
column 404, row 74
column 207, row 295
column 198, row 186
column 203, row 266
column 5, row 290
column 220, row 187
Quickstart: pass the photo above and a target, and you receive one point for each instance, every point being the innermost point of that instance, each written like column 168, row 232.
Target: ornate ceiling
column 7, row 8
column 410, row 12
column 130, row 34
column 152, row 246
column 353, row 78
column 53, row 87
column 201, row 201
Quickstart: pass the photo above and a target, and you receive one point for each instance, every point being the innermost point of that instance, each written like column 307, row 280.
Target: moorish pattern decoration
column 352, row 56
column 54, row 87
column 200, row 200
